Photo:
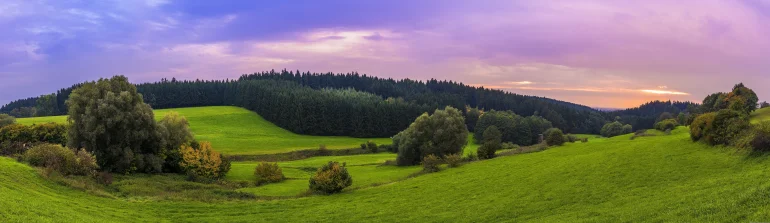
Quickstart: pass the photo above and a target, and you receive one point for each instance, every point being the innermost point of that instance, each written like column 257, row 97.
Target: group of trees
column 646, row 115
column 110, row 119
column 725, row 121
column 523, row 131
column 401, row 100
column 440, row 134
column 616, row 128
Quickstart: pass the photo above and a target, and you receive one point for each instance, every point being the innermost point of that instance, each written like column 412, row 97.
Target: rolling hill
column 237, row 131
column 649, row 179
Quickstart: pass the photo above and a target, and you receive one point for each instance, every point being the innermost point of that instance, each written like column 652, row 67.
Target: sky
column 611, row 54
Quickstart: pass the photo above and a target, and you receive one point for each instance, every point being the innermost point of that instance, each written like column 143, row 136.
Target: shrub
column 85, row 163
column 628, row 129
column 554, row 137
column 50, row 156
column 372, row 146
column 268, row 173
column 760, row 137
column 60, row 159
column 612, row 129
column 472, row 157
column 701, row 126
column 330, row 178
column 584, row 140
column 668, row 124
column 430, row 164
column 16, row 133
column 175, row 132
column 571, row 138
column 492, row 138
column 453, row 160
column 727, row 126
column 202, row 162
column 6, row 120
column 439, row 134
column 13, row 149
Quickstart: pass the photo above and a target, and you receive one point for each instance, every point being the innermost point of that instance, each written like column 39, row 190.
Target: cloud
column 664, row 92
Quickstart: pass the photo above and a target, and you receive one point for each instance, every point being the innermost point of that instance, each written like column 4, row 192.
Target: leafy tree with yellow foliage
column 200, row 160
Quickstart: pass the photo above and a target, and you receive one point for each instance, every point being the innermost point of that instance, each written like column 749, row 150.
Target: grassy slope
column 236, row 131
column 662, row 178
column 760, row 115
column 364, row 168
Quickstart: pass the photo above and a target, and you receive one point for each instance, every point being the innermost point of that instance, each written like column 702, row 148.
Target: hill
column 237, row 131
column 649, row 179
column 760, row 115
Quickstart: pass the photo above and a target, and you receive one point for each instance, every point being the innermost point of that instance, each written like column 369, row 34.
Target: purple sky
column 613, row 53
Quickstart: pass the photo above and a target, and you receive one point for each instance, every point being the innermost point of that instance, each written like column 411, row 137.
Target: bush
column 727, row 126
column 330, row 178
column 6, row 120
column 13, row 149
column 759, row 137
column 492, row 138
column 701, row 126
column 430, row 164
column 175, row 132
column 439, row 134
column 323, row 151
column 372, row 147
column 453, row 160
column 628, row 129
column 202, row 162
column 472, row 157
column 612, row 129
column 668, row 124
column 554, row 137
column 584, row 140
column 571, row 138
column 268, row 173
column 62, row 160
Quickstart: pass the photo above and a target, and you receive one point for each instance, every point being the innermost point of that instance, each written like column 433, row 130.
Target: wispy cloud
column 664, row 92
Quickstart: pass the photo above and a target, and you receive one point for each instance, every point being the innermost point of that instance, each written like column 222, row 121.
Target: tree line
column 411, row 96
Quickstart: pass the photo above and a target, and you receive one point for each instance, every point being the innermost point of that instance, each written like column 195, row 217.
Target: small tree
column 492, row 143
column 202, row 161
column 612, row 129
column 439, row 134
column 471, row 117
column 268, row 173
column 764, row 104
column 330, row 178
column 6, row 120
column 430, row 164
column 554, row 137
column 175, row 132
column 627, row 129
column 110, row 119
column 372, row 146
column 668, row 124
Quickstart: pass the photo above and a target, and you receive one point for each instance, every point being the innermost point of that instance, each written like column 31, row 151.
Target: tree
column 628, row 129
column 201, row 161
column 175, row 132
column 764, row 104
column 492, row 143
column 612, row 129
column 667, row 124
column 440, row 134
column 472, row 117
column 664, row 116
column 744, row 98
column 110, row 119
column 6, row 120
column 331, row 178
column 554, row 137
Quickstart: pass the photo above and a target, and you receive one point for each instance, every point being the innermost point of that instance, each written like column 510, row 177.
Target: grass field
column 366, row 168
column 237, row 131
column 650, row 179
column 760, row 115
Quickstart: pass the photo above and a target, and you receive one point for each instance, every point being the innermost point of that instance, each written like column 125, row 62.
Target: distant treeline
column 646, row 115
column 336, row 104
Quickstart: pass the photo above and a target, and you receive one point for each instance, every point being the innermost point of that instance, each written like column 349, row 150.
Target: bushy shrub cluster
column 60, row 159
column 431, row 164
column 6, row 120
column 40, row 133
column 519, row 130
column 554, row 137
column 202, row 161
column 453, row 160
column 439, row 134
column 667, row 124
column 268, row 173
column 719, row 128
column 616, row 128
column 330, row 178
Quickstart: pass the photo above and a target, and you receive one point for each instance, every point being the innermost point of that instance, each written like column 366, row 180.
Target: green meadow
column 649, row 179
column 237, row 131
